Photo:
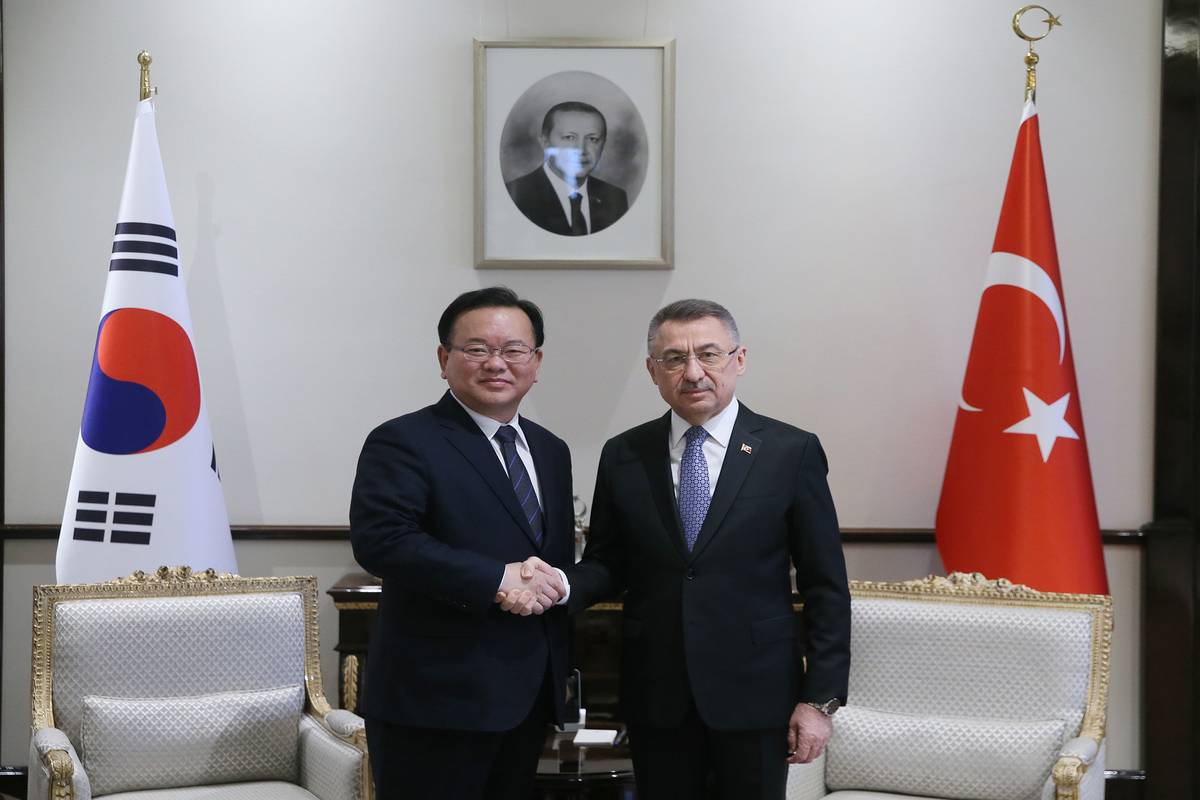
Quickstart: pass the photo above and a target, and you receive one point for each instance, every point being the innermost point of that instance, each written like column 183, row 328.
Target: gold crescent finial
column 1031, row 58
column 144, row 59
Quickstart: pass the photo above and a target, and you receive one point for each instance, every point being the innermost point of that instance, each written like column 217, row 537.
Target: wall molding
column 316, row 533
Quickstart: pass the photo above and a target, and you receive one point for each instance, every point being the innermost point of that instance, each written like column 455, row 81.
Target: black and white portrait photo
column 573, row 166
column 575, row 151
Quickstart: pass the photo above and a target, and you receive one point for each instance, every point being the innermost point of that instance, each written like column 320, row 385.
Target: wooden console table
column 595, row 647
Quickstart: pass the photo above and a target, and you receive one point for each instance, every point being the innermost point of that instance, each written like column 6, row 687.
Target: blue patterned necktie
column 522, row 484
column 693, row 485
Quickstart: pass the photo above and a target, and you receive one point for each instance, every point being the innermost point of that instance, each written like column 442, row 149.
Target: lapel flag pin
column 746, row 448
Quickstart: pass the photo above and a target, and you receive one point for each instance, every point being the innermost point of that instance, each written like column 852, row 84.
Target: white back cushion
column 961, row 659
column 172, row 647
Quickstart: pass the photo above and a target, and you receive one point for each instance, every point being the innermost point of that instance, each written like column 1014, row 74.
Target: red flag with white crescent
column 1017, row 500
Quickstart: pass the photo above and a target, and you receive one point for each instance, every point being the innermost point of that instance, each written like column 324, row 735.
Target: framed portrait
column 574, row 154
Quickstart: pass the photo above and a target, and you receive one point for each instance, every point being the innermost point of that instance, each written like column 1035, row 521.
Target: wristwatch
column 828, row 708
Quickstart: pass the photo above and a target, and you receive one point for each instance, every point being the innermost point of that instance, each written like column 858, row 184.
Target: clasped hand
column 529, row 587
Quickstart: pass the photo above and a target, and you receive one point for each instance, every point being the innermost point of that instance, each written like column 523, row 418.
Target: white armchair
column 182, row 686
column 968, row 689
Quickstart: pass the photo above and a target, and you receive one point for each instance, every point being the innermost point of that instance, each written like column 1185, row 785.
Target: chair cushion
column 962, row 758
column 163, row 742
column 231, row 791
column 173, row 646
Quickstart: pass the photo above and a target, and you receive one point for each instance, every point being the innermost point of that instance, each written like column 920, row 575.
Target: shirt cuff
column 566, row 585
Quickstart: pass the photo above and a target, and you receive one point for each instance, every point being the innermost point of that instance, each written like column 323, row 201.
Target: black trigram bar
column 93, row 497
column 143, row 265
column 132, row 518
column 131, row 499
column 91, row 515
column 89, row 535
column 158, row 249
column 130, row 537
column 146, row 229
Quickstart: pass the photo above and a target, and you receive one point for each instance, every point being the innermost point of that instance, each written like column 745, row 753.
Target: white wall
column 838, row 185
column 839, row 175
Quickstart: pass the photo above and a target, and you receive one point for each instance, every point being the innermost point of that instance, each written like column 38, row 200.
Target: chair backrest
column 173, row 634
column 964, row 646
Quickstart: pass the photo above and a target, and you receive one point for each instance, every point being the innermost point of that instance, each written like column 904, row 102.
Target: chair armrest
column 1076, row 756
column 333, row 756
column 345, row 723
column 1082, row 747
column 807, row 781
column 55, row 771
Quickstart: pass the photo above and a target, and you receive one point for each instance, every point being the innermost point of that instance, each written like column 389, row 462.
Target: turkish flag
column 1017, row 500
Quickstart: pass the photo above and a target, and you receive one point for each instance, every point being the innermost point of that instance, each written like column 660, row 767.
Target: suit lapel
column 547, row 478
column 739, row 457
column 465, row 437
column 654, row 453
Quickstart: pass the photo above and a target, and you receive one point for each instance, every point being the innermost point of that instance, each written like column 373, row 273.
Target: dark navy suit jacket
column 716, row 626
column 433, row 514
column 535, row 196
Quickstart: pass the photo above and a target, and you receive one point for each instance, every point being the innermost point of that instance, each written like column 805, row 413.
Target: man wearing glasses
column 446, row 503
column 698, row 515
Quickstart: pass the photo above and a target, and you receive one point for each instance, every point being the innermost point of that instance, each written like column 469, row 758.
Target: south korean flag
column 144, row 490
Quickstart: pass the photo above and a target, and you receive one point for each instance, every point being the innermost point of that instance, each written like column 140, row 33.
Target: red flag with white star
column 1017, row 500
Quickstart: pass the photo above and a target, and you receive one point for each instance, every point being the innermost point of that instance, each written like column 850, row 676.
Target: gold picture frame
column 520, row 86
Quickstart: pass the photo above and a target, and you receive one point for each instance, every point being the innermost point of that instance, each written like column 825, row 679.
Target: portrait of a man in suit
column 562, row 195
column 447, row 502
column 699, row 516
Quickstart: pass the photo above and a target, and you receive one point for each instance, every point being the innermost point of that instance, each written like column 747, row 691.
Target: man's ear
column 443, row 355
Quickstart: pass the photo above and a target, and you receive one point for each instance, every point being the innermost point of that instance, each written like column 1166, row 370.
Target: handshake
column 530, row 587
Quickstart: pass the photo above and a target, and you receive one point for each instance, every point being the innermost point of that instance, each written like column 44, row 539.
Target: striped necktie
column 522, row 483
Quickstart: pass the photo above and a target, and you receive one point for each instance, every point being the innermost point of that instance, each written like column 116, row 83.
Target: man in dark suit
column 562, row 196
column 447, row 502
column 697, row 516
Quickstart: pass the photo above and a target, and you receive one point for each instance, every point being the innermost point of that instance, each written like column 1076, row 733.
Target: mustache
column 703, row 383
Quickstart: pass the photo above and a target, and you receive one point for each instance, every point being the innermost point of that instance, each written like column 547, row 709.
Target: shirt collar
column 719, row 428
column 489, row 426
column 563, row 189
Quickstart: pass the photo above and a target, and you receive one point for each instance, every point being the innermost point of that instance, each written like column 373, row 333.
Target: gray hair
column 689, row 310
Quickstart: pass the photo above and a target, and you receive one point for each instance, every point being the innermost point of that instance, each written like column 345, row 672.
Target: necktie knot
column 695, row 433
column 507, row 434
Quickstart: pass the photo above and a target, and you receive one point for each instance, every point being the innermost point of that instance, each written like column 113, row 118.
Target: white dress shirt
column 489, row 427
column 719, row 430
column 564, row 191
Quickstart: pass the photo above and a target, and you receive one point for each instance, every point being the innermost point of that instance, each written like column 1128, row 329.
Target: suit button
column 691, row 575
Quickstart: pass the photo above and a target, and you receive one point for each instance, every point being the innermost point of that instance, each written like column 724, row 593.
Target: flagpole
column 144, row 59
column 1031, row 58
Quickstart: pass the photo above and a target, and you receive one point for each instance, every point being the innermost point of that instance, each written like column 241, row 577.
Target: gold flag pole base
column 1031, row 58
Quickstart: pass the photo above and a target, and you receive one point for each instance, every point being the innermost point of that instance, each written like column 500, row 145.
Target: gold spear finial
column 144, row 59
column 1031, row 58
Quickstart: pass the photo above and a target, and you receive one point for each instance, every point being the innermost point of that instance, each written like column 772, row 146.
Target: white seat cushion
column 152, row 743
column 856, row 795
column 263, row 790
column 969, row 759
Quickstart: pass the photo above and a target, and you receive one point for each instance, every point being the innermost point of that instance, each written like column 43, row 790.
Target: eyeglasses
column 511, row 353
column 709, row 359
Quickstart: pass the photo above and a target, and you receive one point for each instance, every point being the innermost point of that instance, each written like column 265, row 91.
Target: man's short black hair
column 490, row 297
column 571, row 105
